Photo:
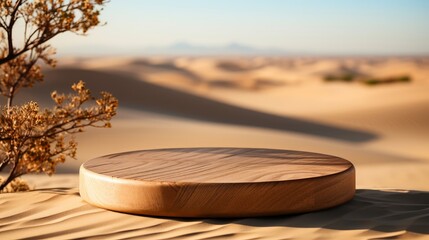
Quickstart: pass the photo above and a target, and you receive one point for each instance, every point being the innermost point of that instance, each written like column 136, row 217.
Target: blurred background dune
column 265, row 102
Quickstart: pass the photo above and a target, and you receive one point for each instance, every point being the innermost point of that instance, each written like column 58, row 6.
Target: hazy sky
column 317, row 26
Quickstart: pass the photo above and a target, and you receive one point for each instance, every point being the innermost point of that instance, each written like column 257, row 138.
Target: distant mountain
column 179, row 48
column 184, row 48
column 188, row 49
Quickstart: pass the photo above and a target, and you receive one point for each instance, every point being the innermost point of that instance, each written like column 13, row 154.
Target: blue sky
column 375, row 27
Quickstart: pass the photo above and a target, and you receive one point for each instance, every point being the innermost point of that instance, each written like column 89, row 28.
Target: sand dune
column 278, row 103
column 61, row 214
column 136, row 94
column 383, row 126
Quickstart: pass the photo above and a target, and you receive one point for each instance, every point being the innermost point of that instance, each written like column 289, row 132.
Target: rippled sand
column 59, row 213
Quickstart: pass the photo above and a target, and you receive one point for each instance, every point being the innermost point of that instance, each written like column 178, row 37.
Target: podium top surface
column 217, row 165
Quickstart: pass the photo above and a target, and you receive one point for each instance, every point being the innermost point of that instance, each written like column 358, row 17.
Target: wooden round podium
column 216, row 182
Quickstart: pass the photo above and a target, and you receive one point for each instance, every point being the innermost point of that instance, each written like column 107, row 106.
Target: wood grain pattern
column 217, row 182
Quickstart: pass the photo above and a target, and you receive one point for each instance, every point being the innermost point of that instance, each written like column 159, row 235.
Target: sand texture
column 279, row 103
column 62, row 214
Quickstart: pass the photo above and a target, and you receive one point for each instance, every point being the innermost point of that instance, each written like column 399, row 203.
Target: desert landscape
column 372, row 111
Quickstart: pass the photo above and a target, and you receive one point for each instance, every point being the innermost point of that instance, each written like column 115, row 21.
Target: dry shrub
column 32, row 139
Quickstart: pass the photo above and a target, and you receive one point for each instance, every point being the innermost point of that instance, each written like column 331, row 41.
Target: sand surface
column 60, row 213
column 246, row 102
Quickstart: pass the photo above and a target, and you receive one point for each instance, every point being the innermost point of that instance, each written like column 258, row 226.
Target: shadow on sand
column 385, row 211
column 134, row 93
